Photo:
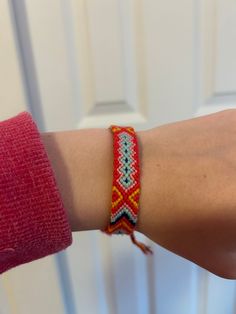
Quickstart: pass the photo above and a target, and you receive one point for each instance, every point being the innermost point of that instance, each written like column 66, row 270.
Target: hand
column 188, row 190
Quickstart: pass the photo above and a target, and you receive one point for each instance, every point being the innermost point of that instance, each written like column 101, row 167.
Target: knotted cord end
column 146, row 249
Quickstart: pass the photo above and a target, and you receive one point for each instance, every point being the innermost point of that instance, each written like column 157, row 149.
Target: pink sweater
column 33, row 220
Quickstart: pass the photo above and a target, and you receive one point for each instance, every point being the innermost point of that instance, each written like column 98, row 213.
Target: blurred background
column 89, row 63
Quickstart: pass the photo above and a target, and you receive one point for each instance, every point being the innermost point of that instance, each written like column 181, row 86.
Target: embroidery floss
column 126, row 184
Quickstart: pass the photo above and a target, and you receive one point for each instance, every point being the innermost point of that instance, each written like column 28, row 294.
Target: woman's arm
column 188, row 183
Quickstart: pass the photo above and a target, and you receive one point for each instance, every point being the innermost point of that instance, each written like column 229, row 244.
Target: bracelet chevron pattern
column 126, row 184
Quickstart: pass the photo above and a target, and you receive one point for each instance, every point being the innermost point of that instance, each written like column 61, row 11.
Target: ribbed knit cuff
column 33, row 220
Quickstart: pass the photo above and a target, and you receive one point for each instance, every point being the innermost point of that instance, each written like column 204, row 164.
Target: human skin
column 188, row 185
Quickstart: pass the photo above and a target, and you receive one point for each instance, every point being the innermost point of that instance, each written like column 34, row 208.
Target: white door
column 90, row 63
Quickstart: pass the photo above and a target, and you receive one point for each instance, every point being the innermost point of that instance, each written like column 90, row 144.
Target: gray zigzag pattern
column 126, row 149
column 121, row 212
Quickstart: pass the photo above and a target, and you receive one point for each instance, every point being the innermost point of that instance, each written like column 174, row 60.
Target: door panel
column 90, row 63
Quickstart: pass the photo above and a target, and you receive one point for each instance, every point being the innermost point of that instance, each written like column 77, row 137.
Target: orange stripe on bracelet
column 126, row 184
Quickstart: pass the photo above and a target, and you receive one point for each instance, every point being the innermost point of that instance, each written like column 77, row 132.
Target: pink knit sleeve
column 33, row 220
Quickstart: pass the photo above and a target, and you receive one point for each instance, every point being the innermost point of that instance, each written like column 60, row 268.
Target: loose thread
column 146, row 249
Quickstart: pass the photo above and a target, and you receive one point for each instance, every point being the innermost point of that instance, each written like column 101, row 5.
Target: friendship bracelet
column 126, row 185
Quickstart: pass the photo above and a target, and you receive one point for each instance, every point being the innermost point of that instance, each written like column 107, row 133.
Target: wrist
column 82, row 161
column 154, row 182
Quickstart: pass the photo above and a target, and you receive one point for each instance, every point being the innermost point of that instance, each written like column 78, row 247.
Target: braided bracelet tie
column 126, row 184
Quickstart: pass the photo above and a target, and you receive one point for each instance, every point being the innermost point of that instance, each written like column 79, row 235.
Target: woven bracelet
column 126, row 184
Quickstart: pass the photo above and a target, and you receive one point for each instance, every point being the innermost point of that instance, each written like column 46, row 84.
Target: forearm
column 82, row 163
